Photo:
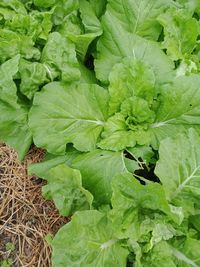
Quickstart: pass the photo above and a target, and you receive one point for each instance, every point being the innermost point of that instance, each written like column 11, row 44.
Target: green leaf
column 98, row 6
column 8, row 70
column 36, row 25
column 65, row 188
column 180, row 32
column 75, row 114
column 130, row 78
column 188, row 66
column 59, row 58
column 190, row 5
column 10, row 246
column 63, row 9
column 44, row 23
column 139, row 17
column 179, row 109
column 179, row 170
column 50, row 161
column 102, row 85
column 160, row 256
column 119, row 135
column 15, row 5
column 82, row 42
column 81, row 32
column 12, row 43
column 162, row 231
column 144, row 153
column 119, row 40
column 115, row 137
column 88, row 240
column 195, row 220
column 33, row 75
column 98, row 168
column 13, row 117
column 6, row 14
column 7, row 263
column 168, row 111
column 87, row 76
column 138, row 112
column 132, row 200
column 89, row 18
column 187, row 252
column 44, row 3
column 128, row 192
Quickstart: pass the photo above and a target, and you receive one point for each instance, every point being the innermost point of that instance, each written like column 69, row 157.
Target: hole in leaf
column 147, row 173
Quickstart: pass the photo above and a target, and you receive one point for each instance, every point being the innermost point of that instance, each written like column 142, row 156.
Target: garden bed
column 26, row 218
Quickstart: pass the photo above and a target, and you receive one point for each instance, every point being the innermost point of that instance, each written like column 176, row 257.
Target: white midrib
column 179, row 255
column 161, row 123
column 182, row 186
column 48, row 71
column 91, row 121
column 108, row 244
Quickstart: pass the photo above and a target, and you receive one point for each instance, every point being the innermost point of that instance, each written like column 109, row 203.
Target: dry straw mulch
column 25, row 217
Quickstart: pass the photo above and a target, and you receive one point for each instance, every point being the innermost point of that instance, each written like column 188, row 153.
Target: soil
column 26, row 218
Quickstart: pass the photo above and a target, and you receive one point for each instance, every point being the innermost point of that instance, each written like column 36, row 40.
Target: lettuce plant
column 111, row 90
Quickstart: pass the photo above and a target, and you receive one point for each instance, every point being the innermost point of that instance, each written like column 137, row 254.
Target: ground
column 26, row 218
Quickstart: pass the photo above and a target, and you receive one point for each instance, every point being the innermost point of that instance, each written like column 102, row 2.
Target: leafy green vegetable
column 59, row 58
column 64, row 121
column 180, row 175
column 13, row 116
column 111, row 90
column 15, row 5
column 33, row 75
column 130, row 78
column 181, row 32
column 98, row 168
column 138, row 17
column 12, row 43
column 131, row 201
column 50, row 161
column 91, row 242
column 119, row 41
column 44, row 3
column 65, row 188
column 62, row 9
column 179, row 109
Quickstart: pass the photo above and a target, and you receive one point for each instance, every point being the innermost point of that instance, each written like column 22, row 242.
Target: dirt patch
column 25, row 217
